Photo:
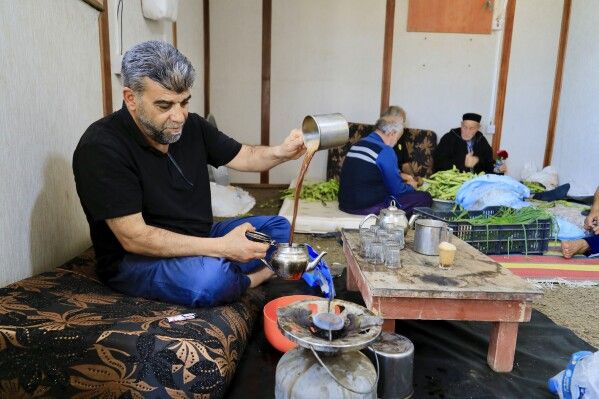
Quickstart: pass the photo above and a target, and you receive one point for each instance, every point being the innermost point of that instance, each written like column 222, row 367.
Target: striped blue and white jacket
column 369, row 175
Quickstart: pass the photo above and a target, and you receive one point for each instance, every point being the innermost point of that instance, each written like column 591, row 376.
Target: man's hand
column 470, row 161
column 408, row 179
column 236, row 247
column 293, row 146
column 591, row 223
column 503, row 168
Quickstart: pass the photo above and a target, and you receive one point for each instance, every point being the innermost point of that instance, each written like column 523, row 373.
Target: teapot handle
column 447, row 232
column 368, row 217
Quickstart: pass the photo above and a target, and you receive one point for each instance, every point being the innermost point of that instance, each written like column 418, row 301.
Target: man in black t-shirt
column 141, row 175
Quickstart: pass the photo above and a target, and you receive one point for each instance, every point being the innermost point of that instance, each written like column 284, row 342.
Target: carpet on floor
column 551, row 266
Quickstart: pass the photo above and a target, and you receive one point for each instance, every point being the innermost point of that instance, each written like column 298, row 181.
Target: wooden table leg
column 502, row 346
column 350, row 283
column 389, row 325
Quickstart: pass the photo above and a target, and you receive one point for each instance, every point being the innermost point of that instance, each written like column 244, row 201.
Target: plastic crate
column 494, row 239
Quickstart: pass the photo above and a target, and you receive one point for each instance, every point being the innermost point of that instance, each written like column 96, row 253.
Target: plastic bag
column 320, row 276
column 548, row 177
column 492, row 190
column 229, row 201
column 580, row 379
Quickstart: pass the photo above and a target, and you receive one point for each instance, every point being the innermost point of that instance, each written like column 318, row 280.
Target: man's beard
column 157, row 133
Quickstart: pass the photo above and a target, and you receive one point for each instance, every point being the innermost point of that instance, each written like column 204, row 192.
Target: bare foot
column 260, row 276
column 574, row 247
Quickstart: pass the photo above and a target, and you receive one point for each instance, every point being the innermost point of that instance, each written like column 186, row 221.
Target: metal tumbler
column 325, row 131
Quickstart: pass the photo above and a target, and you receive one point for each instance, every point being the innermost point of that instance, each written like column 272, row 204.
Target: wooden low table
column 475, row 288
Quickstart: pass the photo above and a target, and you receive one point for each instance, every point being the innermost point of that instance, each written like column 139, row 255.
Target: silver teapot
column 288, row 261
column 389, row 218
column 291, row 261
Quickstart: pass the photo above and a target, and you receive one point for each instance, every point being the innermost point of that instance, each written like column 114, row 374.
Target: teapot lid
column 393, row 209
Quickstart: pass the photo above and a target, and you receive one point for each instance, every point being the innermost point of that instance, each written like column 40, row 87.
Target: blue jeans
column 197, row 281
column 593, row 242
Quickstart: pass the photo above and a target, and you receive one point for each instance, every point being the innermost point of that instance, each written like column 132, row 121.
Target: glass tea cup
column 366, row 238
column 377, row 253
column 392, row 255
column 375, row 228
column 447, row 253
column 396, row 235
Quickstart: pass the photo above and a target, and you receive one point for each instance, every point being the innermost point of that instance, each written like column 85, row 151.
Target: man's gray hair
column 383, row 124
column 159, row 61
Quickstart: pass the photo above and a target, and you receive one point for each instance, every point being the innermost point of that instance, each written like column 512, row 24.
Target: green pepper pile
column 446, row 183
column 323, row 191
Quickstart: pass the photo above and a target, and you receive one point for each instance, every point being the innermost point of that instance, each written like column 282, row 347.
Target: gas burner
column 347, row 327
column 328, row 321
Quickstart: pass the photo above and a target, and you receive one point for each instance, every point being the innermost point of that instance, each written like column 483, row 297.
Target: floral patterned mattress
column 65, row 334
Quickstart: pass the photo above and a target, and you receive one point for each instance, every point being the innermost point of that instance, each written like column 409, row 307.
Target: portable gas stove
column 348, row 327
column 337, row 330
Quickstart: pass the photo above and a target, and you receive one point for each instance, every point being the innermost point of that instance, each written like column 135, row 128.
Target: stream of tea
column 311, row 148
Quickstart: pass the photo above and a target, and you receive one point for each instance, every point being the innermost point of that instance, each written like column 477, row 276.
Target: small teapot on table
column 388, row 218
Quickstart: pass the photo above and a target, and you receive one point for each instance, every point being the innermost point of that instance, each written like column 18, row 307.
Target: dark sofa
column 65, row 334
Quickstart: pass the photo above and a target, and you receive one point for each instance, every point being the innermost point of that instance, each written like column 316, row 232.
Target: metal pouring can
column 326, row 130
column 396, row 361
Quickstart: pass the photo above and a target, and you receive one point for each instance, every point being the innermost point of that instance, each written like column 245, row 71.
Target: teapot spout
column 315, row 262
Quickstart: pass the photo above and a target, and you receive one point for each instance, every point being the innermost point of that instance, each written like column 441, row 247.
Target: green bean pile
column 526, row 215
column 446, row 183
column 323, row 191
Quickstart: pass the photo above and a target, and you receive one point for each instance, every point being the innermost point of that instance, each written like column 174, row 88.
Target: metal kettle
column 288, row 261
column 391, row 217
column 428, row 233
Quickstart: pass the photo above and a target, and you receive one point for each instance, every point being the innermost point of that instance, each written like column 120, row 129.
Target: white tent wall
column 136, row 29
column 51, row 91
column 235, row 72
column 190, row 41
column 577, row 134
column 437, row 77
column 326, row 57
column 530, row 82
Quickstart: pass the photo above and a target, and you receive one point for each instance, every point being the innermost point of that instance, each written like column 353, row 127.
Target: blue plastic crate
column 496, row 239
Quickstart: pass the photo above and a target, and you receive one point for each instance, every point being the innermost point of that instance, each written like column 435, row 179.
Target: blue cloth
column 492, row 190
column 320, row 276
column 197, row 281
column 370, row 175
column 566, row 230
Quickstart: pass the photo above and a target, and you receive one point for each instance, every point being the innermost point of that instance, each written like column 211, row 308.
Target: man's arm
column 387, row 164
column 260, row 158
column 139, row 238
column 593, row 214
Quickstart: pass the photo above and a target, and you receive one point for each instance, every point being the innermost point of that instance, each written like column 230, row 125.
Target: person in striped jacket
column 370, row 177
